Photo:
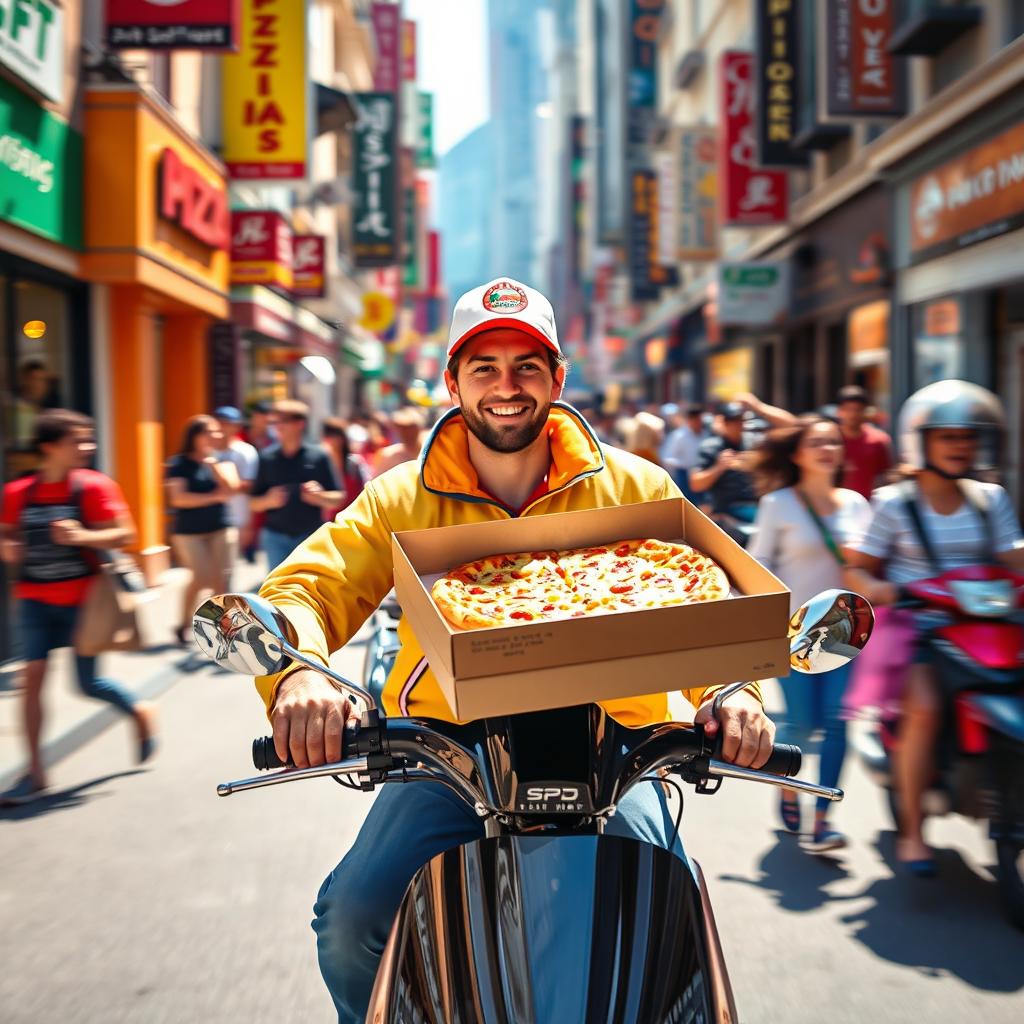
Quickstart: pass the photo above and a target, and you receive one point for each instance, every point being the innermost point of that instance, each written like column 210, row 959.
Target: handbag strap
column 826, row 533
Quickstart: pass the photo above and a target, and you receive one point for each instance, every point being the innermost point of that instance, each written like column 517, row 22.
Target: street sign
column 752, row 294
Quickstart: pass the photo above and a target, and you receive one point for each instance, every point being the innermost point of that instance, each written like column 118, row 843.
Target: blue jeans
column 812, row 703
column 278, row 546
column 409, row 824
column 48, row 627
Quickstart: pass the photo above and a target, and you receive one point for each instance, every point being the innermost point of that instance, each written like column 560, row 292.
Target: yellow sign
column 378, row 312
column 730, row 373
column 266, row 98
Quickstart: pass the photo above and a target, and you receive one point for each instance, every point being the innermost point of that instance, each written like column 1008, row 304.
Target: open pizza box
column 535, row 666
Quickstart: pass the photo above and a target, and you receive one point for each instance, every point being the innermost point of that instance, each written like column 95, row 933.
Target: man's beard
column 506, row 439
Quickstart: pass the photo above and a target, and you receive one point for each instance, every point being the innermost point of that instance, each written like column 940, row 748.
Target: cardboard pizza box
column 539, row 665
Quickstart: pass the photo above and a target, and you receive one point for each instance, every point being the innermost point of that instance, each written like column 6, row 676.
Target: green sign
column 40, row 170
column 425, row 131
column 410, row 263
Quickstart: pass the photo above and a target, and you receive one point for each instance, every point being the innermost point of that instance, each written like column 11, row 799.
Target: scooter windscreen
column 533, row 930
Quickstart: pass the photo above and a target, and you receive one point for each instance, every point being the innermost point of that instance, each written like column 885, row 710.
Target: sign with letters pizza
column 749, row 195
column 860, row 77
column 193, row 203
column 778, row 77
column 266, row 98
column 184, row 25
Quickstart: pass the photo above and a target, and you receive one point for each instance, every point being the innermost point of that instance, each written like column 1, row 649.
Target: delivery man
column 507, row 448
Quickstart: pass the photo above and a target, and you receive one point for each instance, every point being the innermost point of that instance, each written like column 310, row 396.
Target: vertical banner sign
column 309, row 269
column 748, row 195
column 410, row 266
column 261, row 249
column 861, row 77
column 666, row 165
column 425, row 130
column 577, row 153
column 778, row 83
column 266, row 94
column 374, row 175
column 659, row 272
column 642, row 286
column 408, row 50
column 386, row 19
column 645, row 22
column 185, row 25
column 698, row 193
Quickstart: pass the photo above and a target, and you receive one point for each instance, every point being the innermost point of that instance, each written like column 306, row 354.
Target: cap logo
column 504, row 297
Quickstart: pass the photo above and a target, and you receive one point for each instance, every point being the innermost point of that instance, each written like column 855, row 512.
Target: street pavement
column 138, row 895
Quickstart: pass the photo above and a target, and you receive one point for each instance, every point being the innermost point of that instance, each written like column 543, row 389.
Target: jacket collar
column 445, row 467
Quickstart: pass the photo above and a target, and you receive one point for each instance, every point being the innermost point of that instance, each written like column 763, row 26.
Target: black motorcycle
column 547, row 920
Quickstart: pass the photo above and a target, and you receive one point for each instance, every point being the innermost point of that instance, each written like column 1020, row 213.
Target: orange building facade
column 156, row 236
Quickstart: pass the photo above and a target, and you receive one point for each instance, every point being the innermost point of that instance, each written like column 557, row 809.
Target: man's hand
column 277, row 497
column 748, row 732
column 310, row 492
column 727, row 458
column 10, row 551
column 309, row 717
column 69, row 532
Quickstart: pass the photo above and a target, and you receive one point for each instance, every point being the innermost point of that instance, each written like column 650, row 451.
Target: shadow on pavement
column 64, row 799
column 950, row 924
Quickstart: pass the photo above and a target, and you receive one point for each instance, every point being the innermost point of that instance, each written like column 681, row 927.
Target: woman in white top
column 804, row 520
column 944, row 429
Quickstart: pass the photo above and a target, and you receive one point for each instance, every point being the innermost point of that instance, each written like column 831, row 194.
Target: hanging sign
column 261, row 249
column 386, row 20
column 408, row 50
column 749, row 195
column 752, row 294
column 309, row 266
column 182, row 25
column 698, row 193
column 645, row 24
column 778, row 75
column 265, row 94
column 374, row 226
column 425, row 131
column 861, row 78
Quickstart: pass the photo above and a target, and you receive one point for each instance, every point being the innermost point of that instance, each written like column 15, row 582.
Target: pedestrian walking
column 349, row 468
column 868, row 449
column 408, row 425
column 260, row 433
column 644, row 434
column 295, row 482
column 54, row 526
column 199, row 487
column 804, row 520
column 244, row 457
column 724, row 470
column 680, row 454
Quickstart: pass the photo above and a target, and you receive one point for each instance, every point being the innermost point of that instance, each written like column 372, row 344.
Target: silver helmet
column 955, row 404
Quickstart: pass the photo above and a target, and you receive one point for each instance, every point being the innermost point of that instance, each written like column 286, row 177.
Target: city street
column 141, row 896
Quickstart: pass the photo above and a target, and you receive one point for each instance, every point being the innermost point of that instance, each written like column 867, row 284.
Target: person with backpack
column 54, row 526
column 804, row 521
column 935, row 520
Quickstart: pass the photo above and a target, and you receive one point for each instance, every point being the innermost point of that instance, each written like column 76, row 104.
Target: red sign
column 862, row 78
column 408, row 50
column 197, row 206
column 261, row 248
column 386, row 30
column 748, row 195
column 309, row 255
column 186, row 25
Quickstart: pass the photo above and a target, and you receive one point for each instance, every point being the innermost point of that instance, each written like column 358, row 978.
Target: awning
column 259, row 309
column 335, row 110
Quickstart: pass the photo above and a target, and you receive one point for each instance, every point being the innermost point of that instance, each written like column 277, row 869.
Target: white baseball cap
column 502, row 303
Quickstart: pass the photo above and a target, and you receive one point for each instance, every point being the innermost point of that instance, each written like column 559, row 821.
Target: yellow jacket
column 333, row 582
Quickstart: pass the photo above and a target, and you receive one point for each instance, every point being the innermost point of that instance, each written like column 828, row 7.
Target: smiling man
column 508, row 448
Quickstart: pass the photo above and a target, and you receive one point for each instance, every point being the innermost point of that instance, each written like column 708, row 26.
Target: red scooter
column 974, row 636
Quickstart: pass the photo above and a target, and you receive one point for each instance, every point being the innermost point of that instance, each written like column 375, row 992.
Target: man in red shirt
column 868, row 449
column 44, row 541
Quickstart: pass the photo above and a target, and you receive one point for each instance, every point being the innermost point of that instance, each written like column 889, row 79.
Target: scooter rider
column 944, row 428
column 508, row 448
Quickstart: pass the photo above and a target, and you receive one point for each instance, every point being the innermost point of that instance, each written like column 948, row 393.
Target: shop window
column 938, row 349
column 868, row 350
column 37, row 374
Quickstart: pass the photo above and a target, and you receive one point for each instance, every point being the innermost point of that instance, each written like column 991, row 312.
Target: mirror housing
column 243, row 633
column 829, row 631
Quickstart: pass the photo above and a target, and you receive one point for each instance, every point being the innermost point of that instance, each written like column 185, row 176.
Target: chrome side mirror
column 829, row 631
column 245, row 633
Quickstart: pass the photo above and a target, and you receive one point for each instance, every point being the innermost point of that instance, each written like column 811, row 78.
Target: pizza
column 538, row 586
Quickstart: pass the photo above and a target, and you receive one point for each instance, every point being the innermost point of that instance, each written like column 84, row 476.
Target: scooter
column 974, row 636
column 547, row 919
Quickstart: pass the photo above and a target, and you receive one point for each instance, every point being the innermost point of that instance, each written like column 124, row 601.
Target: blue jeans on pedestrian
column 278, row 546
column 813, row 703
column 48, row 627
column 407, row 826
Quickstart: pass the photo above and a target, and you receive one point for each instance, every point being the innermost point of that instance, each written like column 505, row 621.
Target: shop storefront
column 44, row 309
column 837, row 328
column 156, row 241
column 960, row 214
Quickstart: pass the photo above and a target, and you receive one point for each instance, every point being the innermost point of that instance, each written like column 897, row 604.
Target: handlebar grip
column 785, row 760
column 264, row 756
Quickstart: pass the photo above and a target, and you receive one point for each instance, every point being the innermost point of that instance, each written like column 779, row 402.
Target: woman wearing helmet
column 949, row 431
